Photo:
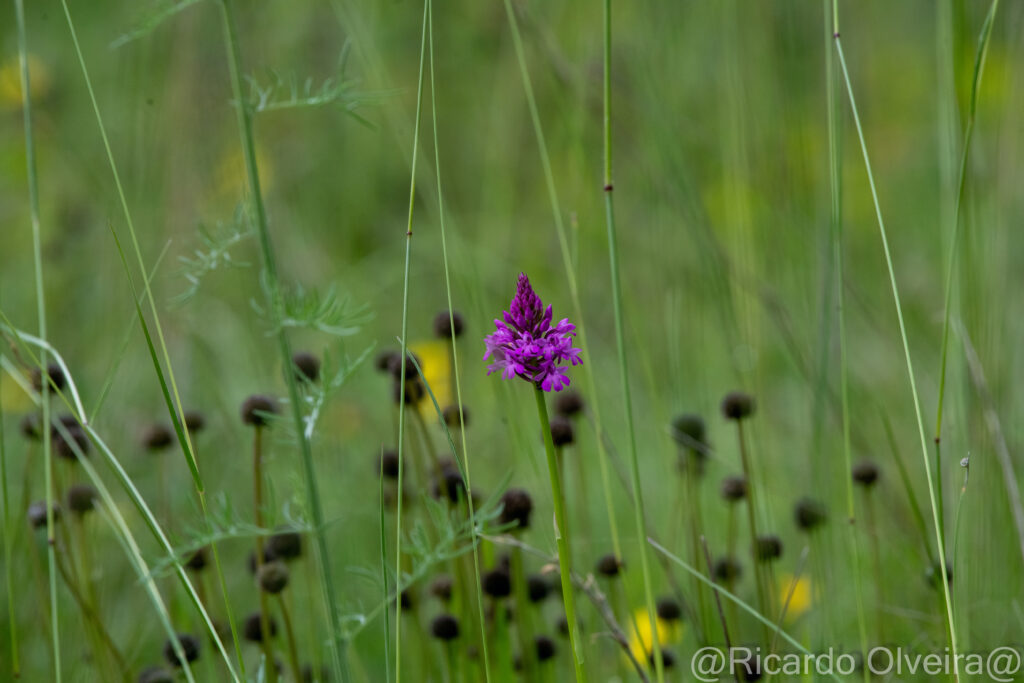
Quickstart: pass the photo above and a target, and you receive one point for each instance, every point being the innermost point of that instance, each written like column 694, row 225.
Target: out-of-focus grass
column 722, row 208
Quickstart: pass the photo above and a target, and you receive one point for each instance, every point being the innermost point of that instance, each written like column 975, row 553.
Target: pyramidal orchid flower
column 527, row 345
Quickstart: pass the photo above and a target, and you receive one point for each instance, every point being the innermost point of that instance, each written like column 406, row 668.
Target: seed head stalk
column 627, row 399
column 276, row 307
column 561, row 536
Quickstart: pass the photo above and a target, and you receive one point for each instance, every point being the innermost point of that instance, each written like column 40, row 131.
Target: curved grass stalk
column 37, row 258
column 570, row 274
column 836, row 219
column 455, row 350
column 774, row 626
column 124, row 534
column 404, row 341
column 951, row 625
column 620, row 342
column 275, row 304
column 122, row 476
column 174, row 409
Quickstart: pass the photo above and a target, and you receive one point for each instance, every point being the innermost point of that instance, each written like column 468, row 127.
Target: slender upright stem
column 12, row 621
column 276, row 307
column 257, row 505
column 524, row 620
column 752, row 519
column 293, row 650
column 561, row 536
column 37, row 256
column 570, row 272
column 950, row 622
column 405, row 342
column 836, row 220
column 620, row 339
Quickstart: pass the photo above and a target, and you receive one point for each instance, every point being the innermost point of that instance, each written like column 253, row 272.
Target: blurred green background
column 721, row 182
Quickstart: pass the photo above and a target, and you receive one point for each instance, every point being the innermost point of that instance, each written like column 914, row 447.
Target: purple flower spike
column 525, row 344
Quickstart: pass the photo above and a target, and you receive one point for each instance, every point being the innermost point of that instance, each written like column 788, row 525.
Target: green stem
column 293, row 650
column 570, row 274
column 836, row 219
column 405, row 344
column 8, row 541
column 752, row 521
column 627, row 399
column 276, row 307
column 951, row 624
column 524, row 619
column 257, row 505
column 561, row 536
column 37, row 257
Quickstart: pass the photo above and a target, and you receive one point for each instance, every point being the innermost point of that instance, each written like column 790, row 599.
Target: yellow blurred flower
column 435, row 361
column 640, row 641
column 231, row 180
column 802, row 599
column 10, row 81
column 13, row 398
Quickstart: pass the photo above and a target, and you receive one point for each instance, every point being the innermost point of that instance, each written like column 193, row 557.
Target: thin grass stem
column 275, row 304
column 951, row 625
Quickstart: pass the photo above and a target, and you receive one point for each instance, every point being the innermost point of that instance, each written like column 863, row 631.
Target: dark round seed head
column 445, row 627
column 569, row 403
column 157, row 437
column 37, row 514
column 195, row 421
column 189, row 648
column 865, row 473
column 56, row 378
column 414, row 390
column 809, row 514
column 310, row 675
column 155, row 674
column 252, row 628
column 306, row 366
column 562, row 433
column 734, row 488
column 545, row 648
column 497, row 583
column 767, row 548
column 688, row 430
column 727, row 570
column 516, row 508
column 452, row 417
column 197, row 560
column 273, row 576
column 383, row 360
column 669, row 610
column 537, row 587
column 668, row 660
column 441, row 587
column 387, row 463
column 745, row 665
column 71, row 439
column 82, row 498
column 284, row 545
column 257, row 408
column 407, row 599
column 411, row 362
column 737, row 405
column 449, row 483
column 446, row 326
column 609, row 565
column 934, row 571
column 30, row 427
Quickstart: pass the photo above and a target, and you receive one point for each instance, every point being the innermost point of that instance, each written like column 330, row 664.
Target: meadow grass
column 810, row 217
